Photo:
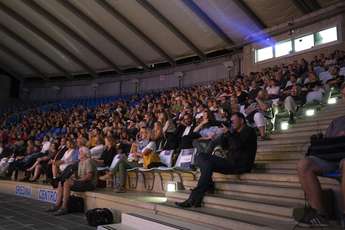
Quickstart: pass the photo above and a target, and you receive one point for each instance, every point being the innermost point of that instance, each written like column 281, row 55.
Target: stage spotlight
column 332, row 101
column 172, row 186
column 310, row 112
column 284, row 125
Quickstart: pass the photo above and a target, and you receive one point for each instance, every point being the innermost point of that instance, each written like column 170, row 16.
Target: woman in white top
column 273, row 90
column 69, row 157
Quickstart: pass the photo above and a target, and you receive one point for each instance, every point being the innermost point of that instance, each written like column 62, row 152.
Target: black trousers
column 47, row 169
column 209, row 164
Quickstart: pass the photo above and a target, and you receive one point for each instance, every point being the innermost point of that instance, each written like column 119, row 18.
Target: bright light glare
column 172, row 187
column 332, row 100
column 284, row 125
column 310, row 112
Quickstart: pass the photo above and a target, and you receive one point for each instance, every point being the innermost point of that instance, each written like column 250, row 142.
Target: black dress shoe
column 189, row 203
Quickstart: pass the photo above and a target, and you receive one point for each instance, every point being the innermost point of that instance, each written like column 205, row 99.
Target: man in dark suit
column 185, row 132
column 240, row 149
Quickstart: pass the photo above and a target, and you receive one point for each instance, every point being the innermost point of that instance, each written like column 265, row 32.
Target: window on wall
column 283, row 48
column 304, row 43
column 326, row 36
column 264, row 54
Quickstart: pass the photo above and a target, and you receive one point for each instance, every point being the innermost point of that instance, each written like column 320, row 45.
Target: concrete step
column 257, row 191
column 268, row 178
column 295, row 130
column 314, row 122
column 277, row 171
column 299, row 132
column 137, row 221
column 283, row 148
column 241, row 204
column 223, row 219
column 276, row 165
column 320, row 117
column 306, row 127
column 278, row 156
column 285, row 141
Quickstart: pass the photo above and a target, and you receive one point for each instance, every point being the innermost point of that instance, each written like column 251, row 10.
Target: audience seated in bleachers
column 42, row 140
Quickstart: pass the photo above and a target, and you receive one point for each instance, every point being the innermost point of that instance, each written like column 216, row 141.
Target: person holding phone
column 240, row 150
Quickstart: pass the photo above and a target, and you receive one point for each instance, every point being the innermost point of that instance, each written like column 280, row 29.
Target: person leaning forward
column 240, row 150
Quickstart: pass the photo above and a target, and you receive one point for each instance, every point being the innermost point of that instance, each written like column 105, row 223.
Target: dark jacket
column 108, row 155
column 186, row 142
column 240, row 148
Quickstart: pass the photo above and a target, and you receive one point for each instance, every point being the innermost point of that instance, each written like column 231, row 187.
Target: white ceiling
column 236, row 19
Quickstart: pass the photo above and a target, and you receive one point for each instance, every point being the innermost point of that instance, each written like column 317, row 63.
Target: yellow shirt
column 151, row 157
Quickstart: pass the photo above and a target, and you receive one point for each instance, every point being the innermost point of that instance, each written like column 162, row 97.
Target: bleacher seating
column 266, row 196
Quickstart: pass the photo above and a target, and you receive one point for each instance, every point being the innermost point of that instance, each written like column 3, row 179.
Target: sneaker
column 313, row 219
column 120, row 190
column 61, row 212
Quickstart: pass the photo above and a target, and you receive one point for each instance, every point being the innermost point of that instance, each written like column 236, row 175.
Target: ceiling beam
column 10, row 72
column 154, row 12
column 314, row 5
column 33, row 49
column 250, row 13
column 206, row 19
column 48, row 38
column 116, row 14
column 96, row 26
column 12, row 53
column 302, row 6
column 50, row 17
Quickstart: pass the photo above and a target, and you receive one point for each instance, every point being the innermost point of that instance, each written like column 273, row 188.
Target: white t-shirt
column 97, row 151
column 315, row 96
column 274, row 90
column 67, row 158
column 151, row 146
column 342, row 71
column 45, row 147
column 325, row 76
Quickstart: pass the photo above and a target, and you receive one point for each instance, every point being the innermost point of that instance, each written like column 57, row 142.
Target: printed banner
column 47, row 195
column 23, row 190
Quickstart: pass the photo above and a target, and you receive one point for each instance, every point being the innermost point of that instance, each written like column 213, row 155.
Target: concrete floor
column 17, row 213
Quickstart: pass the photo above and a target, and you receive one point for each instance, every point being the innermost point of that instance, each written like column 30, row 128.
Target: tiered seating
column 268, row 195
column 263, row 199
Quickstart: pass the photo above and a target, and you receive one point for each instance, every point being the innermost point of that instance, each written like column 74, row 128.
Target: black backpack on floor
column 99, row 216
column 75, row 204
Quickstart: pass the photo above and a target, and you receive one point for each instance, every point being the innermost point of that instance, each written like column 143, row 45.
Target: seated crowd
column 62, row 141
